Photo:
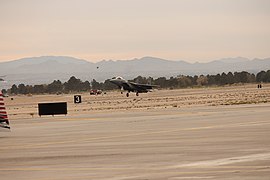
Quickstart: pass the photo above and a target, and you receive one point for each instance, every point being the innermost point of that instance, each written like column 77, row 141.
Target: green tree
column 55, row 86
column 28, row 89
column 14, row 89
column 202, row 80
column 39, row 89
column 251, row 78
column 184, row 81
column 73, row 84
column 22, row 89
column 140, row 80
column 95, row 84
column 211, row 79
column 267, row 79
column 162, row 82
column 85, row 86
column 260, row 77
column 230, row 78
column 223, row 79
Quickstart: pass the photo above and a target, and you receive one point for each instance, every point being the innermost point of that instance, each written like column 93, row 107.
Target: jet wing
column 126, row 85
column 143, row 86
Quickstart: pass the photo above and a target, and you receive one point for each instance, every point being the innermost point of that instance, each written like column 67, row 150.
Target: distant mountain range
column 45, row 69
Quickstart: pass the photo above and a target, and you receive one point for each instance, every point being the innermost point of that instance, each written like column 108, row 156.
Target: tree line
column 229, row 78
column 57, row 87
column 181, row 81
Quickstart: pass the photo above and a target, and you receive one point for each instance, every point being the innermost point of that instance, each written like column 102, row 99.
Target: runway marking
column 136, row 134
column 225, row 161
column 192, row 177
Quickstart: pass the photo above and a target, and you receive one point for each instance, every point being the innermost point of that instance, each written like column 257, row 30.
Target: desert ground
column 196, row 133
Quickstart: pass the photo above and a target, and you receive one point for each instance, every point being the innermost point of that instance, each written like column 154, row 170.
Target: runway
column 205, row 142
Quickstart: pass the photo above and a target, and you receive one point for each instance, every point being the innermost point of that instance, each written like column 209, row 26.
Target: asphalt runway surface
column 219, row 142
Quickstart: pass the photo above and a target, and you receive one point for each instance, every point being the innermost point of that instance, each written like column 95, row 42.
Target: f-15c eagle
column 131, row 86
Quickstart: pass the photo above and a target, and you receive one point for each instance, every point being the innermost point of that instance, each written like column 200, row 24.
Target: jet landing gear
column 137, row 94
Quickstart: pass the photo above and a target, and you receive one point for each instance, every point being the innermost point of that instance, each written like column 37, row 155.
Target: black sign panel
column 52, row 108
column 77, row 99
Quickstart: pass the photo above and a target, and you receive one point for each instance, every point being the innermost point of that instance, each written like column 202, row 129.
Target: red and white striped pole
column 3, row 113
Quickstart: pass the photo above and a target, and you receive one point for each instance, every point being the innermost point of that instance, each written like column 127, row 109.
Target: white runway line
column 226, row 161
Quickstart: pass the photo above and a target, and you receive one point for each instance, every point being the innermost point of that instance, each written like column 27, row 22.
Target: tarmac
column 205, row 142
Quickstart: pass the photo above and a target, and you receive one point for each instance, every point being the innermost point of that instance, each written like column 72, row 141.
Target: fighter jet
column 131, row 86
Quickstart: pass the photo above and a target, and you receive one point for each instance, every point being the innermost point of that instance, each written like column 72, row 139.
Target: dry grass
column 26, row 106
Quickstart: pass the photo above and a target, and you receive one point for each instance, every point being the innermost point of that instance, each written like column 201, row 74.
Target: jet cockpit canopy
column 118, row 78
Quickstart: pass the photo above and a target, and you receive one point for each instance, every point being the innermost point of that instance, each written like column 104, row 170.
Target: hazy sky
column 191, row 30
